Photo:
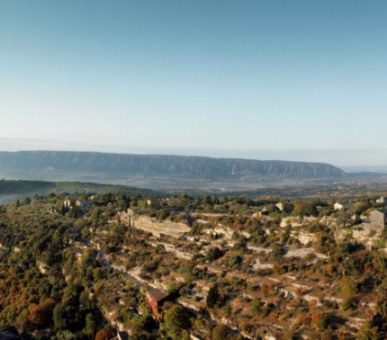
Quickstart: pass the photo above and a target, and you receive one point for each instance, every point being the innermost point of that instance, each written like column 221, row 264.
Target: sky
column 265, row 79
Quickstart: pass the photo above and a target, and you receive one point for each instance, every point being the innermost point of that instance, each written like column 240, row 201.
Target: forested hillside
column 79, row 267
column 11, row 190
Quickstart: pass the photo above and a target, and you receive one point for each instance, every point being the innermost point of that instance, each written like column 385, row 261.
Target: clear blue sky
column 299, row 80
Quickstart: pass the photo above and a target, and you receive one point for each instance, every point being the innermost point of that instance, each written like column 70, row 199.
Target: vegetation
column 77, row 266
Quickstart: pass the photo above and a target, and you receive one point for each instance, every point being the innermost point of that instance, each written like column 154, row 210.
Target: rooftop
column 157, row 294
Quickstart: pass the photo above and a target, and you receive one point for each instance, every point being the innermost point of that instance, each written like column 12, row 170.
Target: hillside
column 153, row 170
column 214, row 268
column 11, row 190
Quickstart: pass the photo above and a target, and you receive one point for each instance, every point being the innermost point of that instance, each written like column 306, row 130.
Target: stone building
column 378, row 219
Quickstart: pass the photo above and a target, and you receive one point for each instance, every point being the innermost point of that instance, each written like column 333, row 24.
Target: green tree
column 207, row 200
column 256, row 307
column 299, row 209
column 213, row 296
column 348, row 292
column 176, row 320
column 277, row 252
column 90, row 325
column 220, row 333
column 367, row 331
column 59, row 317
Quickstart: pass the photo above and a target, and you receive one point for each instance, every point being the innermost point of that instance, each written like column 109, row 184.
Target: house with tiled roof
column 155, row 298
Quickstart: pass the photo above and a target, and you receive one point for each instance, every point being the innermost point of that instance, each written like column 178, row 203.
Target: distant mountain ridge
column 107, row 167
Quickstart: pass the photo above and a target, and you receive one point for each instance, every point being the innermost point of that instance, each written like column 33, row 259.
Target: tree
column 348, row 292
column 176, row 320
column 311, row 209
column 220, row 333
column 368, row 331
column 344, row 218
column 207, row 200
column 256, row 307
column 277, row 252
column 288, row 208
column 287, row 234
column 90, row 325
column 299, row 209
column 41, row 315
column 319, row 319
column 213, row 296
column 348, row 287
column 185, row 199
column 143, row 325
column 360, row 207
column 302, row 209
column 162, row 214
column 59, row 317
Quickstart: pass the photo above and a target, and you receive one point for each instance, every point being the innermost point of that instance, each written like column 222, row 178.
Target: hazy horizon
column 299, row 81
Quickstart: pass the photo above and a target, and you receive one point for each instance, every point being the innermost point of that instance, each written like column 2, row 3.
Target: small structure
column 155, row 299
column 339, row 206
column 378, row 219
column 381, row 201
column 280, row 206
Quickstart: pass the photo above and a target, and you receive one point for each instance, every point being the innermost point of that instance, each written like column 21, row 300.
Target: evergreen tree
column 213, row 296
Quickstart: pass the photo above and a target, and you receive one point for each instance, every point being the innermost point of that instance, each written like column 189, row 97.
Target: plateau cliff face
column 108, row 167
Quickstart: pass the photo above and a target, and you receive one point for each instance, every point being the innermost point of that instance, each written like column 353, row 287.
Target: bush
column 214, row 254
